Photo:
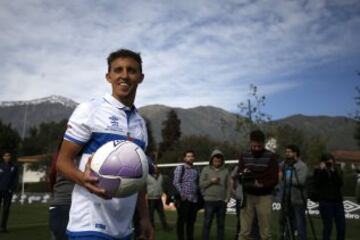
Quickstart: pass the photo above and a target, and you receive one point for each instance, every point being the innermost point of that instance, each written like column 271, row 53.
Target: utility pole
column 23, row 137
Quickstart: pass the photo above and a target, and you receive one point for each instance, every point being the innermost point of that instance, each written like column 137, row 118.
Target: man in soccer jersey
column 93, row 215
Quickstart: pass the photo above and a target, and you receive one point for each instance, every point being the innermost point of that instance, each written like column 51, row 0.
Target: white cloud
column 194, row 52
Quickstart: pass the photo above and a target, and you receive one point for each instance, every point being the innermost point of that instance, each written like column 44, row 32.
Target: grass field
column 31, row 222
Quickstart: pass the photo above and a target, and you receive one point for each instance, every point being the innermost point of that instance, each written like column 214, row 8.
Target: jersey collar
column 116, row 103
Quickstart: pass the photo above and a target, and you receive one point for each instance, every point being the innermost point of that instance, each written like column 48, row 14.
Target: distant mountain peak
column 51, row 99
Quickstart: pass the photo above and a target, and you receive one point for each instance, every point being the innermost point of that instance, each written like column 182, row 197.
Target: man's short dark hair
column 3, row 152
column 294, row 149
column 124, row 53
column 257, row 136
column 189, row 151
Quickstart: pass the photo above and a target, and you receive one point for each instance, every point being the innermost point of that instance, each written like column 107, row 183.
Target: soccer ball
column 121, row 167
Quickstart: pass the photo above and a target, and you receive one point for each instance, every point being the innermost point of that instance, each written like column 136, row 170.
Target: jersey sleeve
column 78, row 129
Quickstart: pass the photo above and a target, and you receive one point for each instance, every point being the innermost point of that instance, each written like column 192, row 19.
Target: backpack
column 174, row 195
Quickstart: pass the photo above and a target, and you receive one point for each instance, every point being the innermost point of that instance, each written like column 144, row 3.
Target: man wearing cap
column 216, row 188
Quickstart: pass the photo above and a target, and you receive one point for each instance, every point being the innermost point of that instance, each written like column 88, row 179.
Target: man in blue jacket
column 8, row 181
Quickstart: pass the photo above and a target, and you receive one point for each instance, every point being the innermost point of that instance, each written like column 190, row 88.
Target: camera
column 328, row 164
column 246, row 178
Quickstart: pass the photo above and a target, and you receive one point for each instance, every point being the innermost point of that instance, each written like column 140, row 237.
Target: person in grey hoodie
column 216, row 188
column 154, row 189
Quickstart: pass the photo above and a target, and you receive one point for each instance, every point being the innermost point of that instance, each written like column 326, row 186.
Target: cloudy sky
column 303, row 55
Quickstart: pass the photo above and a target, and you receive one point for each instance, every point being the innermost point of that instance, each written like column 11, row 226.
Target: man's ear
column 107, row 77
column 141, row 79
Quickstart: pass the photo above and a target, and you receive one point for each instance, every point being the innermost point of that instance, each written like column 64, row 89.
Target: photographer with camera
column 293, row 172
column 258, row 170
column 328, row 180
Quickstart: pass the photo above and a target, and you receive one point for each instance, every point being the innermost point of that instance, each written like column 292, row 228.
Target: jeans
column 238, row 223
column 157, row 205
column 298, row 220
column 5, row 201
column 186, row 219
column 328, row 212
column 212, row 208
column 58, row 220
column 295, row 214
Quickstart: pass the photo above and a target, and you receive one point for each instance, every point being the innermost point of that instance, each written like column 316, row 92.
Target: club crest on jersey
column 114, row 124
column 114, row 121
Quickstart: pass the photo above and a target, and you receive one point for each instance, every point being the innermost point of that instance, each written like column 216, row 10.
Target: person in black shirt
column 328, row 181
column 8, row 182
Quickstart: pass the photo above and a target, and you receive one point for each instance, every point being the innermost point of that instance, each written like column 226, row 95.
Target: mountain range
column 214, row 122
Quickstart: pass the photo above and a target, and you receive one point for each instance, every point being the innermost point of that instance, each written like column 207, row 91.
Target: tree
column 43, row 139
column 252, row 110
column 151, row 148
column 170, row 133
column 251, row 116
column 9, row 138
column 202, row 145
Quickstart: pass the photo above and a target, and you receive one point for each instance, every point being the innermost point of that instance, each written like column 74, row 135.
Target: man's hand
column 281, row 174
column 246, row 170
column 258, row 185
column 322, row 165
column 90, row 182
column 215, row 180
column 183, row 197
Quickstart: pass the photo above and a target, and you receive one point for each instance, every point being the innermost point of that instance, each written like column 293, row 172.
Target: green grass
column 31, row 222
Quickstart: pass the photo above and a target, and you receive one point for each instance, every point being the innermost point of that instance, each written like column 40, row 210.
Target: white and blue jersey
column 91, row 125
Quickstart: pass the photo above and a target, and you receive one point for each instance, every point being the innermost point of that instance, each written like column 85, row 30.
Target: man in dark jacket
column 8, row 182
column 259, row 175
column 328, row 180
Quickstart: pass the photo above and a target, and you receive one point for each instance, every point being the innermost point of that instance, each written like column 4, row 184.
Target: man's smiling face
column 124, row 76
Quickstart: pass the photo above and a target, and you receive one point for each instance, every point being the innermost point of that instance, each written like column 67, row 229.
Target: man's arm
column 241, row 164
column 320, row 177
column 15, row 180
column 300, row 174
column 337, row 177
column 204, row 181
column 229, row 186
column 271, row 175
column 67, row 168
column 177, row 178
column 146, row 229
